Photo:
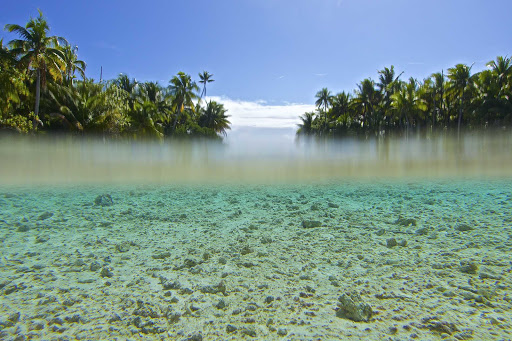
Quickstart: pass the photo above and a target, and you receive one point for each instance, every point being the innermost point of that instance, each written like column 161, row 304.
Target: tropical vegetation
column 457, row 100
column 44, row 88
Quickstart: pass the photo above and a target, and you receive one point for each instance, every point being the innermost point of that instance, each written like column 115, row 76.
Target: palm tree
column 438, row 95
column 306, row 127
column 324, row 98
column 460, row 77
column 214, row 117
column 13, row 83
column 407, row 103
column 129, row 88
column 502, row 69
column 340, row 108
column 367, row 97
column 206, row 77
column 183, row 90
column 38, row 51
column 73, row 64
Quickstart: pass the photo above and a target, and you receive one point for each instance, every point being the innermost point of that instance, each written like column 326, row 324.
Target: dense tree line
column 43, row 88
column 391, row 105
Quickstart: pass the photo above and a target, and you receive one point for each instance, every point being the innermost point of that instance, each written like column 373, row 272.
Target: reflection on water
column 264, row 158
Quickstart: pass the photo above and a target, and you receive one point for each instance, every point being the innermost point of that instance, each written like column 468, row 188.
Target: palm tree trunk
column 178, row 114
column 36, row 120
column 460, row 114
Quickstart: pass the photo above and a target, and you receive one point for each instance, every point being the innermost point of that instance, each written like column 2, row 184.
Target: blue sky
column 275, row 52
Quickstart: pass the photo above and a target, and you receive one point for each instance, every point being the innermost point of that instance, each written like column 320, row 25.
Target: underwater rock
column 169, row 285
column 103, row 200
column 221, row 304
column 124, row 246
column 42, row 239
column 282, row 332
column 307, row 224
column 231, row 328
column 434, row 325
column 352, row 307
column 161, row 255
column 195, row 337
column 422, row 231
column 391, row 242
column 189, row 263
column 269, row 299
column 248, row 331
column 146, row 309
column 380, row 232
column 488, row 273
column 106, row 272
column 246, row 249
column 332, row 205
column 464, row 228
column 468, row 267
column 406, row 221
column 95, row 266
column 23, row 228
column 214, row 289
column 45, row 215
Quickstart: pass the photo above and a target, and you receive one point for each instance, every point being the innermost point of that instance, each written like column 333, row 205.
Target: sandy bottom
column 431, row 259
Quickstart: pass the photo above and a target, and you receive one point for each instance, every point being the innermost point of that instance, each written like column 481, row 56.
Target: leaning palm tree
column 183, row 90
column 39, row 52
column 206, row 77
column 324, row 98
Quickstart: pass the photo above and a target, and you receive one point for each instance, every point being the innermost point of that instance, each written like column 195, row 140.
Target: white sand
column 251, row 240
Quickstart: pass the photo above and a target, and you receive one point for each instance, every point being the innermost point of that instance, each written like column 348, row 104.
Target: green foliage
column 44, row 72
column 438, row 102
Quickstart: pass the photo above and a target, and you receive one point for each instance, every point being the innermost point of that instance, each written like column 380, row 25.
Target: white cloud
column 258, row 114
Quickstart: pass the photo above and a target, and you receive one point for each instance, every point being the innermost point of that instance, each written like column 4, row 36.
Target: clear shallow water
column 228, row 258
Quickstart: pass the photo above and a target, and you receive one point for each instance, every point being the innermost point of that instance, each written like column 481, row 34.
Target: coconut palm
column 12, row 82
column 324, row 98
column 367, row 97
column 407, row 103
column 460, row 77
column 340, row 107
column 39, row 52
column 183, row 91
column 306, row 127
column 73, row 64
column 502, row 69
column 214, row 117
column 205, row 77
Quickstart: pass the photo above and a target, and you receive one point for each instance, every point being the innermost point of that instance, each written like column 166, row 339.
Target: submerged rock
column 45, row 215
column 103, row 200
column 464, row 228
column 406, row 221
column 391, row 242
column 468, row 267
column 214, row 289
column 352, row 307
column 307, row 224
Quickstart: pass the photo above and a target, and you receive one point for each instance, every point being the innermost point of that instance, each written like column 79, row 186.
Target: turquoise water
column 419, row 257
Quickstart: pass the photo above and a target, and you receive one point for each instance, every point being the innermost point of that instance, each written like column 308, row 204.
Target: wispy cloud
column 259, row 114
column 280, row 77
column 320, row 74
